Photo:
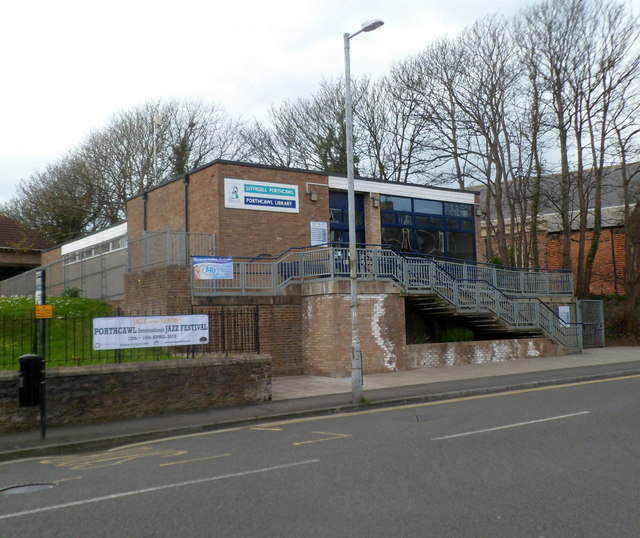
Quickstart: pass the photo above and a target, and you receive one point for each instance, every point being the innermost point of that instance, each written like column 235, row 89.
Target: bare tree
column 615, row 76
column 433, row 79
column 116, row 162
column 392, row 130
column 307, row 133
column 554, row 26
column 195, row 133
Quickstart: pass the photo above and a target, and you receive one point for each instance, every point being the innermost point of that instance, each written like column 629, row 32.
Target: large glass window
column 428, row 226
column 427, row 206
column 395, row 203
column 460, row 245
column 339, row 217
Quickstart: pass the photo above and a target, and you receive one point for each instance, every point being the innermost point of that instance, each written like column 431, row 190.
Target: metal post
column 356, row 350
column 41, row 299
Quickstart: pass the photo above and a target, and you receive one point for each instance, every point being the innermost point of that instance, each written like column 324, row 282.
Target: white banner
column 212, row 268
column 150, row 331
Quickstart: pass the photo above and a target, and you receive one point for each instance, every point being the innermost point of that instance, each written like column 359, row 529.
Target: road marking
column 264, row 428
column 193, row 460
column 273, row 425
column 151, row 490
column 516, row 425
column 178, row 437
column 108, row 459
column 446, row 402
column 61, row 480
column 333, row 436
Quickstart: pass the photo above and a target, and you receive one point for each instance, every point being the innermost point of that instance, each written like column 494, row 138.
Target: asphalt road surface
column 550, row 462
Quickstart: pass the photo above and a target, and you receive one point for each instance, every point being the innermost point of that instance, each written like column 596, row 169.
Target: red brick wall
column 281, row 337
column 250, row 233
column 51, row 256
column 239, row 232
column 608, row 266
column 327, row 333
column 162, row 290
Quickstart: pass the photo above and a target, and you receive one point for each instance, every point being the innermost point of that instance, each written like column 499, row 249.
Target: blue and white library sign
column 260, row 196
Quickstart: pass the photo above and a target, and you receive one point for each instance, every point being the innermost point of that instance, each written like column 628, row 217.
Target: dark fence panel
column 69, row 339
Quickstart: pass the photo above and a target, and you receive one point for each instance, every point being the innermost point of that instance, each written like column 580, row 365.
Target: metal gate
column 591, row 315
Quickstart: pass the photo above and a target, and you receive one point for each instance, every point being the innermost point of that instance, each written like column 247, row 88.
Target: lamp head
column 369, row 26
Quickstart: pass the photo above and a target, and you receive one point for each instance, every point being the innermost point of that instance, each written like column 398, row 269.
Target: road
column 548, row 462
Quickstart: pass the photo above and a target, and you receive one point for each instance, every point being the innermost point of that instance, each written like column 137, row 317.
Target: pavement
column 299, row 396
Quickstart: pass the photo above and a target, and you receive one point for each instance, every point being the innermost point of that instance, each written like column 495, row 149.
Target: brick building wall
column 609, row 263
column 161, row 289
column 52, row 255
column 88, row 394
column 239, row 232
column 327, row 337
column 608, row 267
column 167, row 290
column 250, row 233
column 373, row 225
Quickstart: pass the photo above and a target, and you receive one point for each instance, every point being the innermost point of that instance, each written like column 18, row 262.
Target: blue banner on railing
column 212, row 268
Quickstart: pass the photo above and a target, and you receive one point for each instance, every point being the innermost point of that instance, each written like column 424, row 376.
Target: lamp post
column 356, row 349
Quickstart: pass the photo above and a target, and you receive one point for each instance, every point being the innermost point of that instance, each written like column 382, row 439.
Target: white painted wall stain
column 532, row 350
column 389, row 358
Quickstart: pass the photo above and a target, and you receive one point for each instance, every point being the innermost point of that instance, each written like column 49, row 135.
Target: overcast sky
column 68, row 65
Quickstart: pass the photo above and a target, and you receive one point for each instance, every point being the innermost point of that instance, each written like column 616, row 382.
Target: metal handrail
column 413, row 274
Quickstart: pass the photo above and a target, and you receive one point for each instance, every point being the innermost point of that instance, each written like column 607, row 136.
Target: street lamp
column 356, row 349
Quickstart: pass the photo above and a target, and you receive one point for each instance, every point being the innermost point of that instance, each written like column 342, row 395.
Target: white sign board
column 150, row 331
column 564, row 313
column 319, row 233
column 260, row 196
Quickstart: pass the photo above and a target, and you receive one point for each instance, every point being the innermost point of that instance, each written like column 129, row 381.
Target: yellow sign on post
column 44, row 311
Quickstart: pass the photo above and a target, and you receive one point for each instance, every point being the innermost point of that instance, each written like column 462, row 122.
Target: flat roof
column 339, row 181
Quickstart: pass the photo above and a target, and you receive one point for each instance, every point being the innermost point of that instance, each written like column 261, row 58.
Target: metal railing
column 97, row 277
column 102, row 276
column 271, row 275
column 168, row 248
column 69, row 339
column 506, row 293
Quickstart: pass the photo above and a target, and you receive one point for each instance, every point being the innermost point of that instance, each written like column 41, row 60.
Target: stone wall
column 81, row 395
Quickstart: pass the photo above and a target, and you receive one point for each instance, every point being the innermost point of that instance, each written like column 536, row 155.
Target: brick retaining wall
column 478, row 352
column 81, row 395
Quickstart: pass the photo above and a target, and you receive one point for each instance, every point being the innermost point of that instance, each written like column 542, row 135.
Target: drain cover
column 27, row 488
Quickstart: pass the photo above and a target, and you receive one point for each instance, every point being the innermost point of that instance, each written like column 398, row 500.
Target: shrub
column 71, row 292
column 457, row 334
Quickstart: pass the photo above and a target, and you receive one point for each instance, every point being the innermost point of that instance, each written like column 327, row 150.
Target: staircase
column 493, row 300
